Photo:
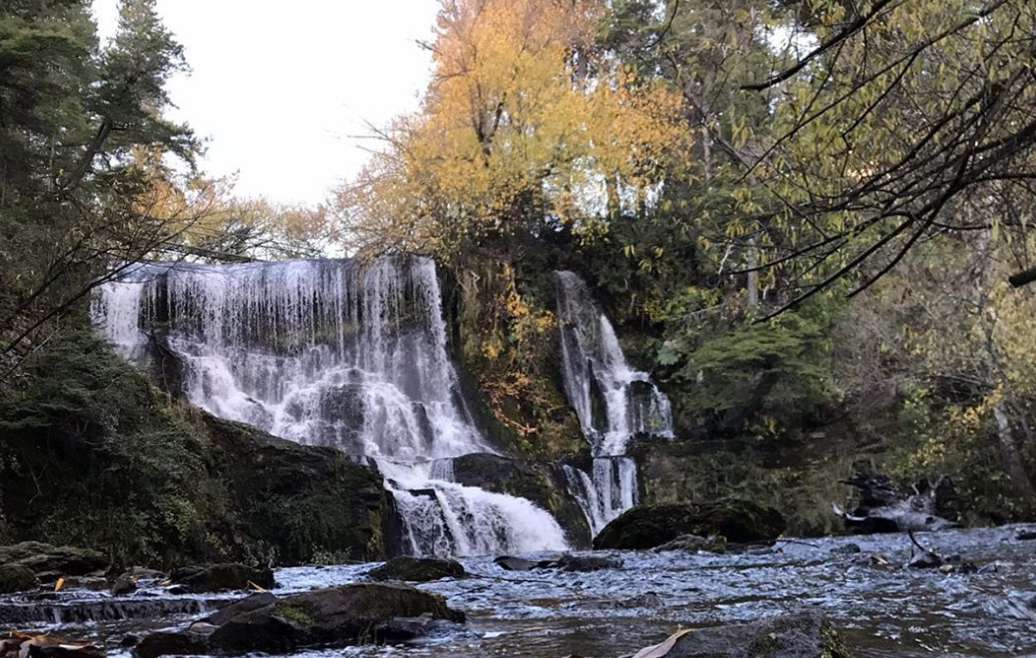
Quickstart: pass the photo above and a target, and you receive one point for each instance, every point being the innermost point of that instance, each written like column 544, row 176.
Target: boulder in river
column 17, row 578
column 417, row 569
column 222, row 577
column 739, row 521
column 50, row 562
column 510, row 563
column 352, row 614
column 581, row 563
column 124, row 585
column 567, row 562
column 791, row 636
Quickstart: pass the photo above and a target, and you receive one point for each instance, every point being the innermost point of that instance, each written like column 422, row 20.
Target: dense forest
column 808, row 221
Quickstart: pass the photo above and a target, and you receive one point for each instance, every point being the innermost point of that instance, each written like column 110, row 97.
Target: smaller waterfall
column 443, row 518
column 613, row 401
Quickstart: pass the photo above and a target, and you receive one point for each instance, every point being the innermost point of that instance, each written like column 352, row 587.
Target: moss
column 295, row 613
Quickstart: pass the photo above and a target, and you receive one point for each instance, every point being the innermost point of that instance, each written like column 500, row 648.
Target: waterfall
column 332, row 353
column 613, row 401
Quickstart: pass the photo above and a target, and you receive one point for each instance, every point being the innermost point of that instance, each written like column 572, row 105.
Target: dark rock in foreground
column 222, row 577
column 417, row 569
column 47, row 646
column 793, row 636
column 739, row 521
column 353, row 614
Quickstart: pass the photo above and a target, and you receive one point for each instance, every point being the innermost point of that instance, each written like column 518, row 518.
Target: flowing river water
column 882, row 607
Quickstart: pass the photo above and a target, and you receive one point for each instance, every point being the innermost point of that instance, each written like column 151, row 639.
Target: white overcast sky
column 282, row 89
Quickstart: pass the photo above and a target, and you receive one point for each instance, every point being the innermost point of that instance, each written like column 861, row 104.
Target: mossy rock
column 305, row 502
column 740, row 521
column 417, row 569
column 352, row 614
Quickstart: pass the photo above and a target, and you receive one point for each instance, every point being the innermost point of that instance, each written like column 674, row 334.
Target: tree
column 525, row 125
column 904, row 121
column 72, row 115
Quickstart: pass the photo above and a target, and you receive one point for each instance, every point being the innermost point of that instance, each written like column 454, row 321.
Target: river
column 882, row 607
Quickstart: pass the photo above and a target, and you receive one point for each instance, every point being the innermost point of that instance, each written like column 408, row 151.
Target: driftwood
column 883, row 507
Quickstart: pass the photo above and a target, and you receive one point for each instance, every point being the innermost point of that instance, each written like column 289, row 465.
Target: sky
column 282, row 90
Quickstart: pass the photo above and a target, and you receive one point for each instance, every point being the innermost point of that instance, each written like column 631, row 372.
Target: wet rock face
column 420, row 570
column 739, row 521
column 352, row 614
column 312, row 498
column 794, row 636
column 222, row 577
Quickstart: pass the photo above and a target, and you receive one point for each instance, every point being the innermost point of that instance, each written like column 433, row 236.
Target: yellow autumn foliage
column 523, row 123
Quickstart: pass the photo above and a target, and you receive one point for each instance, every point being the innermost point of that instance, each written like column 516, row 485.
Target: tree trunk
column 1014, row 466
column 753, row 274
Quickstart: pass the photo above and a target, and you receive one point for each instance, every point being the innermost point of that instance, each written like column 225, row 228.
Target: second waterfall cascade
column 614, row 402
column 328, row 352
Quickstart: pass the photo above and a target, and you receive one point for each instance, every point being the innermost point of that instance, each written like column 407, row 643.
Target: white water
column 331, row 353
column 613, row 401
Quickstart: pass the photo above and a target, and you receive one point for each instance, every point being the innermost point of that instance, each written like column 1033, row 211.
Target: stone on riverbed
column 417, row 569
column 739, row 521
column 352, row 614
column 694, row 544
column 566, row 562
column 222, row 577
column 792, row 636
column 124, row 585
column 581, row 563
column 17, row 578
column 509, row 563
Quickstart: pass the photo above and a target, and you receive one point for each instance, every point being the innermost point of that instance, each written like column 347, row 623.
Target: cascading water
column 614, row 403
column 327, row 352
